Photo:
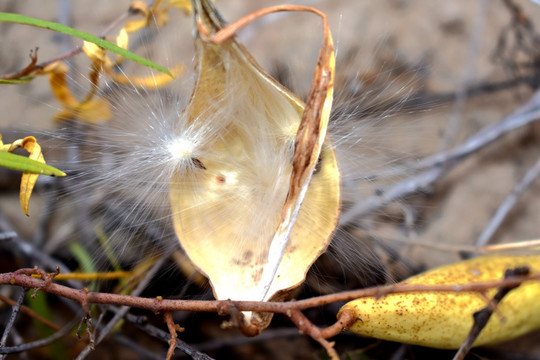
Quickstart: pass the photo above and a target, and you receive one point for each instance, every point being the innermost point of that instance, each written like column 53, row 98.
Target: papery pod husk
column 227, row 209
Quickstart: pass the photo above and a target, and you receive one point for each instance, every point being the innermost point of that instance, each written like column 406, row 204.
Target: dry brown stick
column 173, row 330
column 307, row 327
column 34, row 66
column 158, row 305
column 27, row 70
column 31, row 313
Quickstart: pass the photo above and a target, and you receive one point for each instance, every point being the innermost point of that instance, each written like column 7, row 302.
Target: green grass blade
column 22, row 80
column 22, row 163
column 26, row 20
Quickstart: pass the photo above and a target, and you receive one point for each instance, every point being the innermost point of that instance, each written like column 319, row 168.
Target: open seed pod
column 238, row 141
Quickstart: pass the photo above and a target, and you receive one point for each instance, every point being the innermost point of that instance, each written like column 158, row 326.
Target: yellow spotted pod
column 444, row 319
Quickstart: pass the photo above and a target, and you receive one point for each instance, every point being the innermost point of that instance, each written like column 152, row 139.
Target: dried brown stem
column 173, row 331
column 307, row 327
column 26, row 310
column 34, row 66
column 158, row 305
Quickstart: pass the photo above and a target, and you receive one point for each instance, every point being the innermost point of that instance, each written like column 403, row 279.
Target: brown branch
column 307, row 327
column 28, row 311
column 346, row 318
column 28, row 69
column 34, row 66
column 122, row 311
column 159, row 305
column 173, row 330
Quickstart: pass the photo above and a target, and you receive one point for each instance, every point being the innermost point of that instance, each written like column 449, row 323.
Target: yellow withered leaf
column 57, row 79
column 238, row 143
column 94, row 52
column 28, row 179
column 90, row 110
column 444, row 319
column 122, row 40
column 147, row 82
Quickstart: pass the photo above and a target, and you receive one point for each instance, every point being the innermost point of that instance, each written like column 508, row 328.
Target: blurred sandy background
column 432, row 49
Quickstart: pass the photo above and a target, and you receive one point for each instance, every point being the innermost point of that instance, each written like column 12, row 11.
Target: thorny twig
column 482, row 317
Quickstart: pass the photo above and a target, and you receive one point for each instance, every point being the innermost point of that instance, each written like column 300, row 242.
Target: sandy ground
column 423, row 47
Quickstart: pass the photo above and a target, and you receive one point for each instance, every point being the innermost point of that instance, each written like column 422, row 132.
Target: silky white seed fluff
column 120, row 171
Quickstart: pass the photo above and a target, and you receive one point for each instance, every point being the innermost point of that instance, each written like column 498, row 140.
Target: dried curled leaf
column 442, row 319
column 238, row 142
column 91, row 110
column 31, row 170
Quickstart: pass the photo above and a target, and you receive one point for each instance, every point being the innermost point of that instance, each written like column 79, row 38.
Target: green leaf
column 17, row 81
column 26, row 20
column 84, row 258
column 22, row 163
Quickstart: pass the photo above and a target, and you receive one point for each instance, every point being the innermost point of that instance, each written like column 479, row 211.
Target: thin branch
column 268, row 334
column 42, row 342
column 482, row 317
column 135, row 346
column 34, row 66
column 173, row 331
column 508, row 204
column 158, row 305
column 437, row 165
column 123, row 310
column 164, row 336
column 14, row 312
column 28, row 311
